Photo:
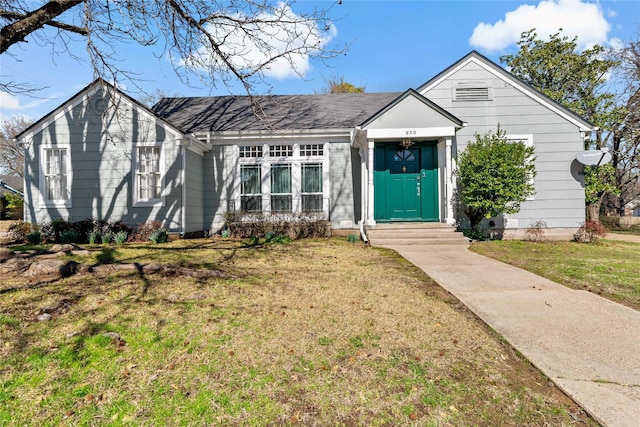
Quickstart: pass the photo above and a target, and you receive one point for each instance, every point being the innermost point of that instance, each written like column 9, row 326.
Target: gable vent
column 471, row 93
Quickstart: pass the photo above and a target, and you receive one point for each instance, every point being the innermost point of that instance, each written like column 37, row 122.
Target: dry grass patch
column 314, row 332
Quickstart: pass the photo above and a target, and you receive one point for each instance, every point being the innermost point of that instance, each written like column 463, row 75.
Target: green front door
column 405, row 181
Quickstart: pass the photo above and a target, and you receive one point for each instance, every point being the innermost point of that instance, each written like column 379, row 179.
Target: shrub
column 70, row 236
column 535, row 231
column 476, row 233
column 34, row 238
column 120, row 237
column 15, row 205
column 590, row 232
column 353, row 237
column 142, row 232
column 106, row 237
column 295, row 226
column 19, row 230
column 94, row 236
column 159, row 236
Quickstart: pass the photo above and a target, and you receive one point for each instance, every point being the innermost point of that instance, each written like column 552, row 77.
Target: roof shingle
column 278, row 112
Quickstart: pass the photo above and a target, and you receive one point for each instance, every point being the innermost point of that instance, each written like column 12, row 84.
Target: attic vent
column 471, row 93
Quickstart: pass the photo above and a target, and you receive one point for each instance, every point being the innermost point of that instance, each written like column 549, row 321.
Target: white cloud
column 9, row 101
column 289, row 33
column 576, row 18
column 18, row 105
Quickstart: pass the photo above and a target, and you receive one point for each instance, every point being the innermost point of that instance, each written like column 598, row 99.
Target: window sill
column 148, row 203
column 56, row 204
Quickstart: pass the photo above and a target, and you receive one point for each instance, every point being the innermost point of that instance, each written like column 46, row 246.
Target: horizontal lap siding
column 194, row 188
column 220, row 169
column 101, row 152
column 344, row 183
column 559, row 198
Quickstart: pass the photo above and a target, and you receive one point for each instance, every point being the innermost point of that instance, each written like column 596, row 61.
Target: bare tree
column 11, row 154
column 626, row 132
column 213, row 41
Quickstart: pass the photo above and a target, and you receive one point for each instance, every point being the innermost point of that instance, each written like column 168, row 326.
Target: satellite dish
column 593, row 157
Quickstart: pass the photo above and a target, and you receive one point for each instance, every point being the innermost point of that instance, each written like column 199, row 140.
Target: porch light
column 406, row 143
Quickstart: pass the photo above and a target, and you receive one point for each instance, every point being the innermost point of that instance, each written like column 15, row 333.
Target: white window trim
column 44, row 202
column 159, row 201
column 296, row 162
column 528, row 141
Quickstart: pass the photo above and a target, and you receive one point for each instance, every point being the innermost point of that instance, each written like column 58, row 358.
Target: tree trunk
column 593, row 210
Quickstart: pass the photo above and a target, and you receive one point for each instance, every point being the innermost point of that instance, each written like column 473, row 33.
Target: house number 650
column 411, row 132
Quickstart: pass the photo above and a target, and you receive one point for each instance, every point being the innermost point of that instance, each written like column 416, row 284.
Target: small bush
column 590, row 232
column 19, row 230
column 105, row 237
column 142, row 232
column 353, row 237
column 34, row 238
column 159, row 236
column 15, row 205
column 70, row 236
column 225, row 234
column 535, row 231
column 476, row 233
column 120, row 237
column 94, row 236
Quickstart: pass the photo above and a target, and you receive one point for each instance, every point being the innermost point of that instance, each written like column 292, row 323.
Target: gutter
column 10, row 188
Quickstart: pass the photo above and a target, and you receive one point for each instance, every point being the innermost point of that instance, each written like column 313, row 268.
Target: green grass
column 608, row 268
column 318, row 332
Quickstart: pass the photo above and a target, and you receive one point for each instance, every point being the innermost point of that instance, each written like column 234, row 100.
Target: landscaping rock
column 43, row 317
column 52, row 268
column 14, row 266
column 5, row 253
column 63, row 248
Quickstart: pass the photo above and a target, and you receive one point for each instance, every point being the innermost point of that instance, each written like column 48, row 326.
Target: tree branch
column 61, row 25
column 17, row 31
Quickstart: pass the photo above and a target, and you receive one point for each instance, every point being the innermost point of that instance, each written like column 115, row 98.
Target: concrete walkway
column 587, row 345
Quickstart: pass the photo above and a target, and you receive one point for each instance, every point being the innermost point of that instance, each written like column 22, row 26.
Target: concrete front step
column 401, row 234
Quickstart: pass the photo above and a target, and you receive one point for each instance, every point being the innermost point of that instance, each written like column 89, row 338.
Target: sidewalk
column 587, row 345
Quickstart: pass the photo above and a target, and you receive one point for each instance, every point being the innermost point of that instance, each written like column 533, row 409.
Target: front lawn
column 608, row 268
column 314, row 332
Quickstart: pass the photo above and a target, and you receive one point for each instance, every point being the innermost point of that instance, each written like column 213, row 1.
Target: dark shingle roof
column 280, row 112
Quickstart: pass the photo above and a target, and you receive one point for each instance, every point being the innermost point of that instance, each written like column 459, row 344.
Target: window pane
column 312, row 178
column 250, row 180
column 281, row 179
column 312, row 203
column 251, row 203
column 55, row 174
column 281, row 203
column 148, row 173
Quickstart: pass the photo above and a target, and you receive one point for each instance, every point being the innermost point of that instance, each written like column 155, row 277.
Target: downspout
column 363, row 191
column 363, row 203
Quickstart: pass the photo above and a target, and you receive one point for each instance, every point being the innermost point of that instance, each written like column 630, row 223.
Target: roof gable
column 83, row 96
column 520, row 85
column 409, row 109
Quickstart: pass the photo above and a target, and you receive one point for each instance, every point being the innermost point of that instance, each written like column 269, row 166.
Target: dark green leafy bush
column 159, row 236
column 34, row 238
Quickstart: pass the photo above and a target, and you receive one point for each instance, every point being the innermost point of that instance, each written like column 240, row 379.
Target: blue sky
column 394, row 45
